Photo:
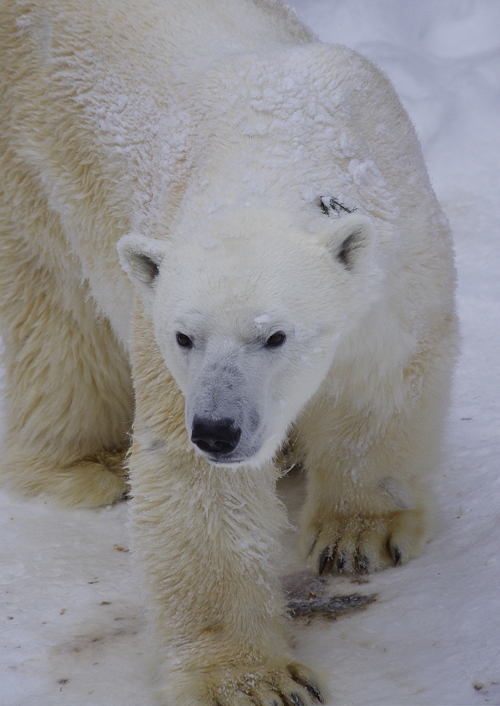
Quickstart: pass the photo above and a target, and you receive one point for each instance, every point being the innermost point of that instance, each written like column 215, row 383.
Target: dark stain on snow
column 82, row 643
column 309, row 597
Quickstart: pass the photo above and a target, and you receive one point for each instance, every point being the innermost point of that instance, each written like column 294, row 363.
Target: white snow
column 73, row 627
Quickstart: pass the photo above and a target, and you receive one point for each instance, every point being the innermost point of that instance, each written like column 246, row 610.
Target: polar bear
column 219, row 237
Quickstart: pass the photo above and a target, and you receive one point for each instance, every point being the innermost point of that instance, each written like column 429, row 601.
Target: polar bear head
column 248, row 310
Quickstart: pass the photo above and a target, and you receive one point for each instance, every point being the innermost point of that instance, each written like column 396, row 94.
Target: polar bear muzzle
column 223, row 416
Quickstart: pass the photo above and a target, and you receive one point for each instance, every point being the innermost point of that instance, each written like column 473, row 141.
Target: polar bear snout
column 224, row 401
column 216, row 437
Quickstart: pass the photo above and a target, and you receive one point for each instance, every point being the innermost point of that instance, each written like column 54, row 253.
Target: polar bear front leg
column 369, row 462
column 205, row 540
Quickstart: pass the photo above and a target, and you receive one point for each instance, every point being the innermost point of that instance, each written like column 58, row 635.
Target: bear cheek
column 307, row 374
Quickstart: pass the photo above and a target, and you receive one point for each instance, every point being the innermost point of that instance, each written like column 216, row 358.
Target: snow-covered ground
column 73, row 631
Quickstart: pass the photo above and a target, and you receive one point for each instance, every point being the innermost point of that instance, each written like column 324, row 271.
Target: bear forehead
column 256, row 271
column 258, row 261
column 247, row 242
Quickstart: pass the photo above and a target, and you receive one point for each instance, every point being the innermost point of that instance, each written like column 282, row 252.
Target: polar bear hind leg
column 68, row 398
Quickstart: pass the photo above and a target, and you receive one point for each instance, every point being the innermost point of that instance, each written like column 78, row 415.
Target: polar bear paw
column 366, row 544
column 287, row 685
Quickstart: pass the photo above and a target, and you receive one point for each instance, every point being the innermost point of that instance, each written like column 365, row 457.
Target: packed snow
column 74, row 631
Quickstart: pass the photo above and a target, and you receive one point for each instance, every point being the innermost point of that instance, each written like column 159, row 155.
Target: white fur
column 235, row 179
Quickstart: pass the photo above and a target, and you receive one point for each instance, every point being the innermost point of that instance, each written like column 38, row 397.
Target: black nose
column 215, row 437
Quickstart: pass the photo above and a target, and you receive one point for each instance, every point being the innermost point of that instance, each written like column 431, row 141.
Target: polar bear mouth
column 252, row 457
column 220, row 460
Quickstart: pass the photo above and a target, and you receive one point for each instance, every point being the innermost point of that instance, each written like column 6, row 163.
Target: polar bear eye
column 183, row 340
column 276, row 340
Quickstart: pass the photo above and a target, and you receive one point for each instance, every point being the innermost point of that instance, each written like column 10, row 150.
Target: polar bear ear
column 141, row 258
column 350, row 240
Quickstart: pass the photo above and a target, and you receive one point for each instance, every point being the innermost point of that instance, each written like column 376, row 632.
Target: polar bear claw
column 366, row 544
